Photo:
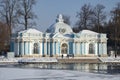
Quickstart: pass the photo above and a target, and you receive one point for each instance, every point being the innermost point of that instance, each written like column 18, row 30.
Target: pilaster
column 81, row 48
column 74, row 48
column 22, row 48
column 41, row 48
column 57, row 48
column 44, row 48
column 17, row 49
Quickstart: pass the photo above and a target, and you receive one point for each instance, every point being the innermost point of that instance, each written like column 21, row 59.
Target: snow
column 47, row 74
column 30, row 31
column 88, row 32
column 42, row 59
column 110, row 59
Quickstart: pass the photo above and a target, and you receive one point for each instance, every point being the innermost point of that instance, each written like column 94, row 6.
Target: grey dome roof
column 59, row 26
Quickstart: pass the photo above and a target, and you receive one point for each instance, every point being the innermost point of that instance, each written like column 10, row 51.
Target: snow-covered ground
column 47, row 74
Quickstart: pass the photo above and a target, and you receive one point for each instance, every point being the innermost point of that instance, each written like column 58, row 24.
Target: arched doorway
column 91, row 48
column 64, row 49
column 35, row 49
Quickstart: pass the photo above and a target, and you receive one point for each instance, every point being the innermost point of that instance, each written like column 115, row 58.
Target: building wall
column 51, row 46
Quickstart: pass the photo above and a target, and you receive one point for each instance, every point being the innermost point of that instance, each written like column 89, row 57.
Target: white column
column 29, row 48
column 41, row 49
column 99, row 48
column 105, row 48
column 102, row 48
column 18, row 48
column 77, row 46
column 74, row 48
column 80, row 48
column 45, row 48
column 22, row 48
column 96, row 48
column 25, row 48
column 57, row 48
column 68, row 49
column 85, row 48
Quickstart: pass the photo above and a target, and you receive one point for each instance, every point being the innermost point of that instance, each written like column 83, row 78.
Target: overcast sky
column 47, row 10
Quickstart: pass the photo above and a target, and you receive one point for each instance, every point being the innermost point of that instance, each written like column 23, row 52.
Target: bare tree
column 4, row 36
column 116, row 21
column 84, row 16
column 26, row 14
column 66, row 19
column 99, row 16
column 8, row 13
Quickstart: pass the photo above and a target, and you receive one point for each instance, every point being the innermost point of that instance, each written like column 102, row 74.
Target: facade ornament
column 60, row 18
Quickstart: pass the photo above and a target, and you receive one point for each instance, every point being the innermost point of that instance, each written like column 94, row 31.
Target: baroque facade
column 57, row 40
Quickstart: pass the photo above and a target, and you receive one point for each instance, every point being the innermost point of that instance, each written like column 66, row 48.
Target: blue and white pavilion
column 59, row 39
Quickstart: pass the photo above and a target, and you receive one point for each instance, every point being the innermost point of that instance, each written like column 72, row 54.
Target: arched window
column 91, row 48
column 35, row 51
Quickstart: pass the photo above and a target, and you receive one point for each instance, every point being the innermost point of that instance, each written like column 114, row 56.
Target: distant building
column 59, row 39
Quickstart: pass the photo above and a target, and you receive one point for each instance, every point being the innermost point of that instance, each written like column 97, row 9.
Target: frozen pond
column 83, row 67
column 55, row 71
column 45, row 74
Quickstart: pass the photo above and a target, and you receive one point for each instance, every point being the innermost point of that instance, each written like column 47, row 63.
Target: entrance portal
column 64, row 48
column 91, row 48
column 35, row 50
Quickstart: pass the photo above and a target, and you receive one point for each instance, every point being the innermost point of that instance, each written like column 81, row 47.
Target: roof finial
column 60, row 18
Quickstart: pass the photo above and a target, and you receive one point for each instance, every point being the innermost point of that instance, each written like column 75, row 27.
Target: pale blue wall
column 47, row 48
column 70, row 48
column 12, row 46
column 55, row 48
column 51, row 48
column 42, row 48
column 20, row 48
column 24, row 48
column 73, row 48
column 100, row 49
column 59, row 47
